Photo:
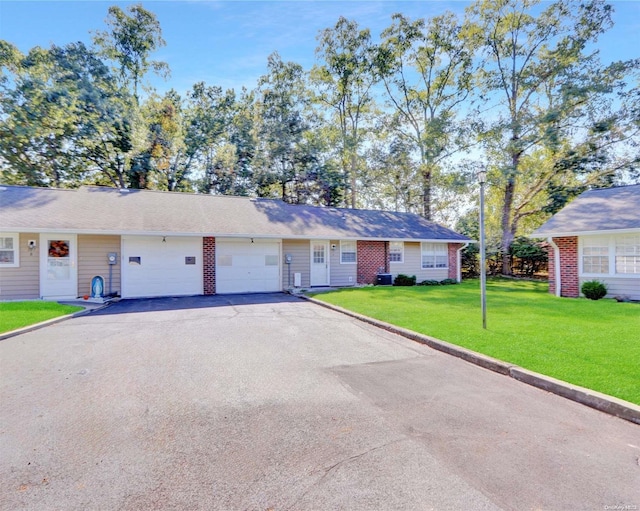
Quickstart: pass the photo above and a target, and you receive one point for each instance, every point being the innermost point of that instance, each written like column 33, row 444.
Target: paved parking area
column 270, row 402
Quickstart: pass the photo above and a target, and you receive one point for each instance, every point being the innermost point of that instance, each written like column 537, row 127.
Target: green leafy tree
column 426, row 68
column 544, row 87
column 131, row 39
column 344, row 82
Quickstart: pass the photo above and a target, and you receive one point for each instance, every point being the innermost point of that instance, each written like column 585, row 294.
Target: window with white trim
column 396, row 251
column 9, row 256
column 348, row 252
column 435, row 255
column 595, row 256
column 628, row 254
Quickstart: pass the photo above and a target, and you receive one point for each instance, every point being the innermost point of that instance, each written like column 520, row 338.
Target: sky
column 226, row 43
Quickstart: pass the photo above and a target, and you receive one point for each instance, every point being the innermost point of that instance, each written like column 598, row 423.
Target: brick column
column 209, row 265
column 453, row 260
column 569, row 282
column 372, row 255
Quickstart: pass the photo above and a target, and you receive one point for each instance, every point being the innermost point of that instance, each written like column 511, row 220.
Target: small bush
column 429, row 283
column 448, row 282
column 404, row 280
column 594, row 290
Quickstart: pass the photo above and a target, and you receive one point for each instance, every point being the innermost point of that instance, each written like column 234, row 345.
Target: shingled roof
column 594, row 211
column 101, row 210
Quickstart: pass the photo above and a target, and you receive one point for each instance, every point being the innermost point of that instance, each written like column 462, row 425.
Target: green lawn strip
column 594, row 344
column 15, row 315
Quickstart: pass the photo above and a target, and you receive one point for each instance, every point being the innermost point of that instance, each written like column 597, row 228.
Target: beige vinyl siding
column 341, row 274
column 92, row 261
column 618, row 286
column 23, row 282
column 301, row 262
column 412, row 265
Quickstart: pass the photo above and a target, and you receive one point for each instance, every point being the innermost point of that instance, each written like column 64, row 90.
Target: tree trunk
column 354, row 164
column 426, row 192
column 507, row 233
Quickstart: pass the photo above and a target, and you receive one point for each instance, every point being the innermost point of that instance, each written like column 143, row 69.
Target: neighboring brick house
column 596, row 237
column 53, row 243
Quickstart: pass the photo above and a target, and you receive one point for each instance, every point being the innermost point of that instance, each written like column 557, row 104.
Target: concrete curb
column 602, row 402
column 53, row 321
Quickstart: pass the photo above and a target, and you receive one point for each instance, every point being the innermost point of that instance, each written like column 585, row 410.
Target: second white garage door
column 243, row 266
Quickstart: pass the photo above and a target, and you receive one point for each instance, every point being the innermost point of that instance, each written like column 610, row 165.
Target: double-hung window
column 348, row 252
column 595, row 255
column 628, row 254
column 9, row 250
column 435, row 255
column 396, row 251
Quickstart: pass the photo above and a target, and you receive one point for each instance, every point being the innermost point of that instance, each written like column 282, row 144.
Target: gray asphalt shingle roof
column 108, row 210
column 608, row 209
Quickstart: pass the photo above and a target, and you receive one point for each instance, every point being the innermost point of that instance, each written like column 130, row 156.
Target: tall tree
column 426, row 68
column 541, row 78
column 344, row 83
column 284, row 159
column 131, row 39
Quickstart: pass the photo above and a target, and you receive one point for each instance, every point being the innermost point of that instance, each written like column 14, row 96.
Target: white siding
column 23, row 282
column 618, row 286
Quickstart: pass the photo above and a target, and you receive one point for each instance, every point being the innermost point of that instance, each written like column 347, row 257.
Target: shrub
column 404, row 280
column 594, row 290
column 429, row 283
column 448, row 282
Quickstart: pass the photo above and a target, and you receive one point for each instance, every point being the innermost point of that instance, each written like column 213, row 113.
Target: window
column 347, row 252
column 595, row 255
column 396, row 251
column 9, row 250
column 435, row 255
column 628, row 254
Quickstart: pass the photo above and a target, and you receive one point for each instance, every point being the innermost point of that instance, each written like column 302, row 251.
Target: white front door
column 319, row 263
column 58, row 266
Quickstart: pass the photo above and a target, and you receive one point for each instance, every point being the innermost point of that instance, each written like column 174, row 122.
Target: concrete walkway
column 270, row 402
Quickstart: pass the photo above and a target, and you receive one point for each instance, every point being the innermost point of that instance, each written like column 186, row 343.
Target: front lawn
column 594, row 344
column 19, row 314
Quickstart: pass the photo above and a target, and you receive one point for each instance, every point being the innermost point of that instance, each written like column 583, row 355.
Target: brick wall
column 209, row 265
column 372, row 255
column 453, row 259
column 569, row 282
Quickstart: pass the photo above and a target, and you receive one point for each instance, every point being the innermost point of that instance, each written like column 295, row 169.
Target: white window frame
column 399, row 244
column 627, row 246
column 345, row 246
column 612, row 243
column 434, row 250
column 595, row 242
column 16, row 249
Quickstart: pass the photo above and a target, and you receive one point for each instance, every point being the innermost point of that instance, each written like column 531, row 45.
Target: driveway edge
column 602, row 402
column 48, row 322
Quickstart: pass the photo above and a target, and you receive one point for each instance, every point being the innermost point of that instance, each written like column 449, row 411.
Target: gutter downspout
column 459, row 261
column 556, row 265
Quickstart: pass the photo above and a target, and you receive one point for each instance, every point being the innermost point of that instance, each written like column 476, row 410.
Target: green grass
column 594, row 344
column 19, row 314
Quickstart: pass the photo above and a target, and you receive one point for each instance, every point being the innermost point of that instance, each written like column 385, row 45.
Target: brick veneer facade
column 372, row 255
column 209, row 265
column 569, row 281
column 453, row 260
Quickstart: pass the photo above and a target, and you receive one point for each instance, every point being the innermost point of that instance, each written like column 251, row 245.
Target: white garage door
column 243, row 266
column 161, row 266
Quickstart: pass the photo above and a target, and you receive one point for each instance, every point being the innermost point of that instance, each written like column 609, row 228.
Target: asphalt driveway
column 270, row 402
